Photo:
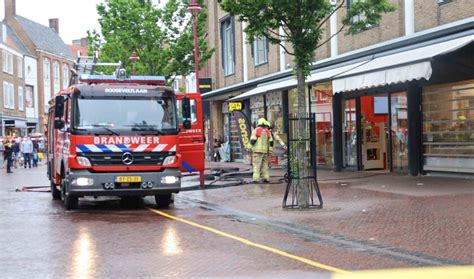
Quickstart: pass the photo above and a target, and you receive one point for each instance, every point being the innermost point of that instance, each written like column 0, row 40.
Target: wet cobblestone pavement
column 362, row 226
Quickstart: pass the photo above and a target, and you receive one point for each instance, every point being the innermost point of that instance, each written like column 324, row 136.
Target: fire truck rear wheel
column 163, row 200
column 70, row 201
column 55, row 192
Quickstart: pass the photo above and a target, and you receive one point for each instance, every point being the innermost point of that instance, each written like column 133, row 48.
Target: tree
column 162, row 38
column 302, row 22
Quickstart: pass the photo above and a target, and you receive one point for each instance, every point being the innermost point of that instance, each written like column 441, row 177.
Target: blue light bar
column 151, row 80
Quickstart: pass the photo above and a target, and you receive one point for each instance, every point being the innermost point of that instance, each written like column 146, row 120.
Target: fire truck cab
column 118, row 136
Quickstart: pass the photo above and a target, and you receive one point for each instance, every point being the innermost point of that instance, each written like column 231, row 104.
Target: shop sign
column 15, row 124
column 205, row 85
column 243, row 126
column 233, row 106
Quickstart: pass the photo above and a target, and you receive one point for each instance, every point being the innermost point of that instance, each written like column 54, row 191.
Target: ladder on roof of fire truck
column 88, row 64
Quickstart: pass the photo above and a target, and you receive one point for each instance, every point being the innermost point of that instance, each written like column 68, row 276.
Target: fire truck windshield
column 125, row 115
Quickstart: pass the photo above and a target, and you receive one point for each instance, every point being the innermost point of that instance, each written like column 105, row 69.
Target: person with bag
column 260, row 142
column 8, row 154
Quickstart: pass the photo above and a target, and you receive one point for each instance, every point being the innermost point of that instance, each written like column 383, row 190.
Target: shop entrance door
column 399, row 132
column 375, row 130
column 350, row 132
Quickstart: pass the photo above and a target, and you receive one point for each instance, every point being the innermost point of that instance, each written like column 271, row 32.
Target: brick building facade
column 268, row 89
column 53, row 61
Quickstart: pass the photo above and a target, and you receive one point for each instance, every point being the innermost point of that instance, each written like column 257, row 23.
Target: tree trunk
column 302, row 186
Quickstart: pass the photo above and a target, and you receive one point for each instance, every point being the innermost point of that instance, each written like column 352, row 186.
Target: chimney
column 54, row 24
column 10, row 9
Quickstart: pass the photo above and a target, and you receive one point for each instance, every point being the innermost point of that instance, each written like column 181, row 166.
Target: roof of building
column 78, row 49
column 13, row 41
column 44, row 38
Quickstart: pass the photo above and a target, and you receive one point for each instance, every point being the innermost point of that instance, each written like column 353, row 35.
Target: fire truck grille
column 115, row 159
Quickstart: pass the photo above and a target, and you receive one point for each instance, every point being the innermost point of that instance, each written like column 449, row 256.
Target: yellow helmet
column 261, row 122
column 268, row 123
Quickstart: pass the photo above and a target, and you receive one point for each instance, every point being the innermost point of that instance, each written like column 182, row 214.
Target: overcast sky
column 75, row 16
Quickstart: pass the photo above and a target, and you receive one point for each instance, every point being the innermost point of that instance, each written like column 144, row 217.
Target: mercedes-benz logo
column 127, row 158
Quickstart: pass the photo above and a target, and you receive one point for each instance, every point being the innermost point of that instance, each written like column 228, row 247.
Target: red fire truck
column 109, row 135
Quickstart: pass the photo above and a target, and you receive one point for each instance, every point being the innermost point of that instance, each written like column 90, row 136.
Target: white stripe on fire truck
column 141, row 147
column 101, row 148
column 93, row 148
column 159, row 147
column 113, row 148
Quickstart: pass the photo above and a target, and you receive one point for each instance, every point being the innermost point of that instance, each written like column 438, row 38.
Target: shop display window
column 448, row 127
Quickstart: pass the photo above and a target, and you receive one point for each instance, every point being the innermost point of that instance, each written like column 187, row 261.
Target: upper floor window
column 46, row 70
column 19, row 63
column 228, row 46
column 260, row 50
column 65, row 75
column 7, row 62
column 8, row 95
column 21, row 99
column 359, row 17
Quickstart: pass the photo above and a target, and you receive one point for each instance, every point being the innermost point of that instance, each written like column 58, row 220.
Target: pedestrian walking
column 260, row 142
column 27, row 151
column 35, row 157
column 16, row 152
column 2, row 157
column 8, row 154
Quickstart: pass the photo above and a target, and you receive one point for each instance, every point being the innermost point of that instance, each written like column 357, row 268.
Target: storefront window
column 257, row 109
column 321, row 105
column 448, row 127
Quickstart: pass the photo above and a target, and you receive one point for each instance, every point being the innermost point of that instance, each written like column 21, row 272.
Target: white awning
column 413, row 64
column 266, row 87
column 326, row 73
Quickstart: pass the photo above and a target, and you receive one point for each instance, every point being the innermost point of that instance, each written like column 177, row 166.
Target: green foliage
column 162, row 38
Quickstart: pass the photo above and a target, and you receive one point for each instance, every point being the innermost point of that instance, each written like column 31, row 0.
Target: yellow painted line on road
column 448, row 272
column 251, row 243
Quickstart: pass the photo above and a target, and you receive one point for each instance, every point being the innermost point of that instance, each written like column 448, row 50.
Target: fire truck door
column 191, row 141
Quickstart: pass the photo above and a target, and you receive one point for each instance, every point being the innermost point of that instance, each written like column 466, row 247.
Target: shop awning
column 411, row 64
column 323, row 74
column 266, row 87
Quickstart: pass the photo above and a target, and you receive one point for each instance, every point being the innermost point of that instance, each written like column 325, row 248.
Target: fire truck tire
column 163, row 200
column 55, row 192
column 70, row 201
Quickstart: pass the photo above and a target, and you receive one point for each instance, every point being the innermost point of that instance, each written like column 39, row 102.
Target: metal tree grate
column 301, row 166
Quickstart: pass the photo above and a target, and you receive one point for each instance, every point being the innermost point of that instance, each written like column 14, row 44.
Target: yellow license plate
column 128, row 179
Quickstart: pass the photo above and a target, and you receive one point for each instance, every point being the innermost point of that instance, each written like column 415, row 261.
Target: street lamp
column 195, row 9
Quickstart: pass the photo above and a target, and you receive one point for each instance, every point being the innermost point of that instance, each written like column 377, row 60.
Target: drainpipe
column 244, row 53
column 409, row 17
column 282, row 52
column 333, row 28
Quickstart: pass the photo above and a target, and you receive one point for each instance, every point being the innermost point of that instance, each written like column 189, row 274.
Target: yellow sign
column 128, row 179
column 235, row 106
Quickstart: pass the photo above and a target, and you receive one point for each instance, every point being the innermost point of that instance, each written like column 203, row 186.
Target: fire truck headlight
column 169, row 179
column 169, row 160
column 83, row 181
column 83, row 161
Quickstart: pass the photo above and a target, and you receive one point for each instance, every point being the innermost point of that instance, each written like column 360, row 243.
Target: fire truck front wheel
column 70, row 201
column 54, row 191
column 163, row 200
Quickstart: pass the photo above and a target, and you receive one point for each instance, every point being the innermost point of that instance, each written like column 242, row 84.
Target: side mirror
column 58, row 124
column 187, row 124
column 59, row 107
column 186, row 108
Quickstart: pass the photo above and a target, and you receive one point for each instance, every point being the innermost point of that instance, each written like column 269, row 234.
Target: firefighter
column 260, row 142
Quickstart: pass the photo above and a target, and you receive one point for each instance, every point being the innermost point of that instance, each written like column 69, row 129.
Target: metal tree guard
column 302, row 140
